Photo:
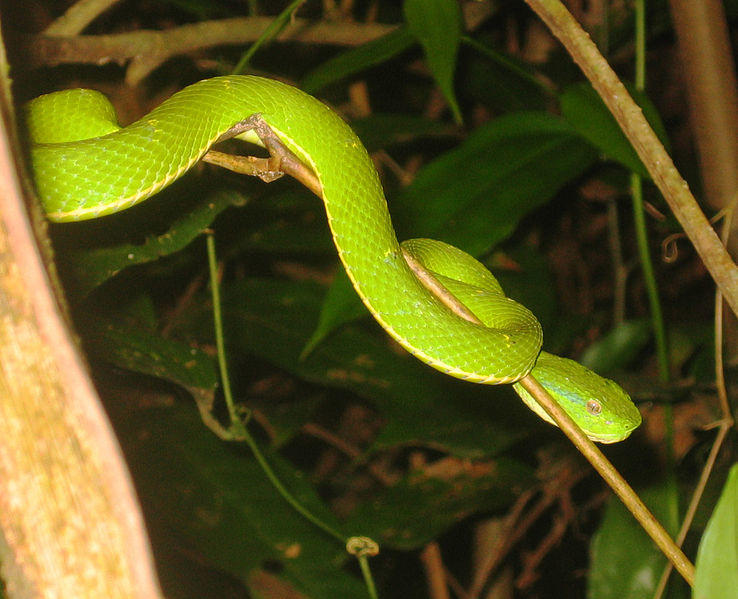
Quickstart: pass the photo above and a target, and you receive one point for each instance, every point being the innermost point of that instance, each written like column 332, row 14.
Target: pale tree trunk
column 710, row 81
column 70, row 524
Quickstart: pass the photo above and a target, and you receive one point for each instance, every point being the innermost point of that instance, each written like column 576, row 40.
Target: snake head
column 601, row 408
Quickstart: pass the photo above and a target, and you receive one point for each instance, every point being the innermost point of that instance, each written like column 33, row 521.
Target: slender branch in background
column 708, row 69
column 712, row 90
column 619, row 268
column 725, row 423
column 146, row 50
column 630, row 118
column 435, row 572
column 79, row 16
column 649, row 276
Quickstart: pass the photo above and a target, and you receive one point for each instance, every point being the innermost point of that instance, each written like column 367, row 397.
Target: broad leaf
column 437, row 25
column 625, row 563
column 587, row 113
column 716, row 575
column 618, row 348
column 358, row 59
column 91, row 268
column 341, row 305
column 133, row 346
column 474, row 196
column 503, row 83
column 214, row 502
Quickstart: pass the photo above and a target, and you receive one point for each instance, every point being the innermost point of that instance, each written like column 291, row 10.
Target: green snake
column 85, row 167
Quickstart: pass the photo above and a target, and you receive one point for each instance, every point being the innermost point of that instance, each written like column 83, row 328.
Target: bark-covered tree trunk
column 70, row 525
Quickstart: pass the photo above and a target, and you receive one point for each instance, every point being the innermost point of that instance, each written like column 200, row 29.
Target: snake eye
column 594, row 407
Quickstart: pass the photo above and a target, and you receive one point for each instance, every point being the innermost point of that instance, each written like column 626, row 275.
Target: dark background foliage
column 532, row 177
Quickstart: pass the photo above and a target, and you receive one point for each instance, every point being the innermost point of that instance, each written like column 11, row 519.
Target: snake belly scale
column 85, row 171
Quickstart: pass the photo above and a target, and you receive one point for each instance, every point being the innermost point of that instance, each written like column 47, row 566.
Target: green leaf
column 618, row 348
column 474, row 196
column 437, row 25
column 382, row 130
column 358, row 59
column 91, row 268
column 341, row 305
column 501, row 82
column 625, row 563
column 430, row 500
column 716, row 574
column 134, row 346
column 587, row 113
column 288, row 220
column 213, row 501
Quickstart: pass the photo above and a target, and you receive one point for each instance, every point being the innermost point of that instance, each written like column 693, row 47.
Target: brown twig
column 435, row 573
column 660, row 166
column 78, row 16
column 532, row 560
column 349, row 450
column 513, row 529
column 145, row 50
column 518, row 526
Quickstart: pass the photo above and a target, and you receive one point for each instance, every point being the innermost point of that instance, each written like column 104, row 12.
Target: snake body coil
column 88, row 168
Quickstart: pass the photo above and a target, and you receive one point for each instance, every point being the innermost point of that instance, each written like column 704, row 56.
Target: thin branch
column 613, row 478
column 514, row 527
column 435, row 572
column 79, row 16
column 145, row 50
column 660, row 166
column 532, row 561
column 265, row 168
column 725, row 423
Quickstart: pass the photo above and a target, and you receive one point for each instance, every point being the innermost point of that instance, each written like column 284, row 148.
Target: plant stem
column 613, row 478
column 649, row 277
column 237, row 427
column 272, row 31
column 367, row 574
column 286, row 495
column 660, row 166
column 636, row 185
column 238, row 430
